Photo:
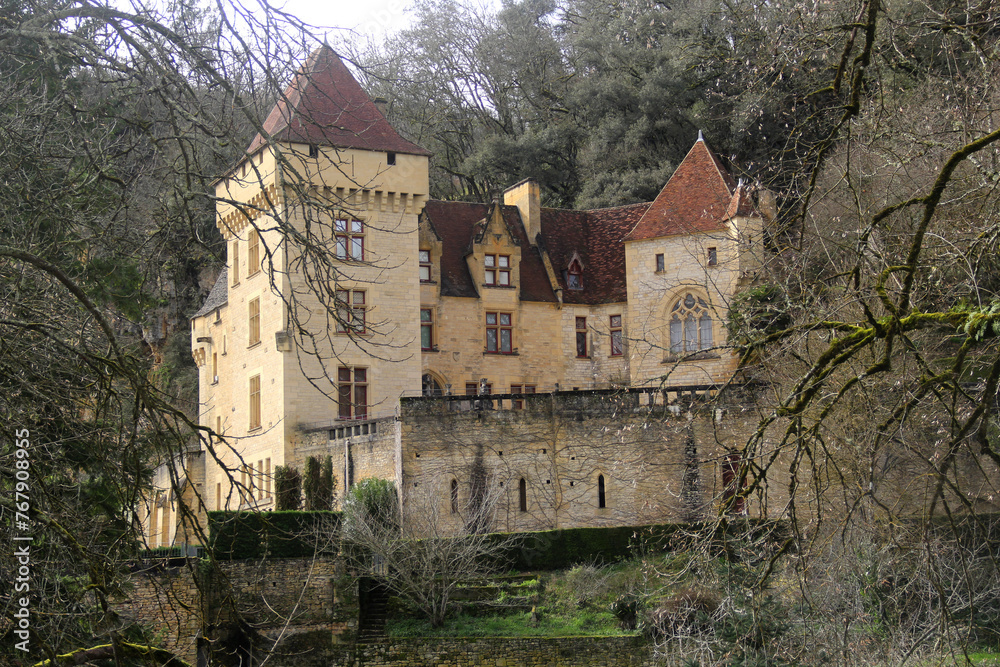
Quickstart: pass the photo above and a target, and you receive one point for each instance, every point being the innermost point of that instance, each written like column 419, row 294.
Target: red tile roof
column 695, row 199
column 596, row 236
column 324, row 105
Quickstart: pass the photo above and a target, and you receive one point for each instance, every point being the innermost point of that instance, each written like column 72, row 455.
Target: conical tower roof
column 695, row 199
column 325, row 105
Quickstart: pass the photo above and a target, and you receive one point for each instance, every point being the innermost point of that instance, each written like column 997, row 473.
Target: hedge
column 562, row 549
column 237, row 535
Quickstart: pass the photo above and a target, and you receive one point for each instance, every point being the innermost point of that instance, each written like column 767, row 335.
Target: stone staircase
column 373, row 600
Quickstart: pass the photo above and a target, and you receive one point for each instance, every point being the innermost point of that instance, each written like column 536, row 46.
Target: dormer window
column 574, row 275
column 497, row 270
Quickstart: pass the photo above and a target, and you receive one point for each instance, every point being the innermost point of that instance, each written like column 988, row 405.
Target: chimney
column 526, row 196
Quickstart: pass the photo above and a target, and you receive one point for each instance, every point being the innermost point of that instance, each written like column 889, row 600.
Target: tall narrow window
column 218, row 495
column 253, row 253
column 497, row 270
column 215, row 367
column 522, row 494
column 254, row 402
column 390, row 158
column 581, row 336
column 352, row 392
column 615, row 327
column 426, row 329
column 253, row 322
column 425, row 266
column 351, row 311
column 454, row 496
column 660, row 264
column 473, row 388
column 713, row 257
column 690, row 325
column 499, row 333
column 602, row 500
column 267, row 477
column 350, row 239
column 236, row 262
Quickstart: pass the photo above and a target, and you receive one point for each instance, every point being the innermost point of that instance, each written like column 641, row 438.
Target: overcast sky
column 370, row 17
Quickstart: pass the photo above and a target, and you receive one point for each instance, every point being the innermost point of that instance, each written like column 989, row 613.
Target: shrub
column 288, row 488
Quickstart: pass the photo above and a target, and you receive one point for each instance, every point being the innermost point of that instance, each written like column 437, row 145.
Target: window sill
column 584, row 357
column 253, row 345
column 428, row 282
column 499, row 286
column 254, row 429
column 255, row 273
column 487, row 353
column 429, row 349
column 694, row 356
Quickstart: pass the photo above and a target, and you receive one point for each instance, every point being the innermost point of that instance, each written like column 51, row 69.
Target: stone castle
column 422, row 340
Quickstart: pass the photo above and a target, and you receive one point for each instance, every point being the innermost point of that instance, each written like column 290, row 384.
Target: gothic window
column 690, row 325
column 430, row 386
column 350, row 238
column 352, row 392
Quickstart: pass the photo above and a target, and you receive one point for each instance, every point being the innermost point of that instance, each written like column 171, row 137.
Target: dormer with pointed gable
column 494, row 257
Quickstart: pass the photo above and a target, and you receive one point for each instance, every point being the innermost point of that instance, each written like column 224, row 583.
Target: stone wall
column 499, row 652
column 282, row 600
column 571, row 459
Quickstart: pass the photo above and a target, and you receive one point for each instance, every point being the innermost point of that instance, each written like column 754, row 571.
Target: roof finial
column 700, row 137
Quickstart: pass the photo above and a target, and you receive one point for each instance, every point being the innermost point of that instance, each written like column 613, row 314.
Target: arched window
column 430, row 386
column 602, row 500
column 690, row 325
column 522, row 493
column 454, row 496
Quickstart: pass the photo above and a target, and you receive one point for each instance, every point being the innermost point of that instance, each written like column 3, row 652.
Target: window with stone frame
column 499, row 333
column 253, row 321
column 690, row 325
column 496, row 270
column 350, row 239
column 615, row 330
column 253, row 253
column 235, row 256
column 425, row 266
column 518, row 403
column 351, row 307
column 254, row 422
column 581, row 337
column 426, row 329
column 352, row 392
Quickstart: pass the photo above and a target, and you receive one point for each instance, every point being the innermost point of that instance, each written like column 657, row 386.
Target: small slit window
column 602, row 500
column 522, row 494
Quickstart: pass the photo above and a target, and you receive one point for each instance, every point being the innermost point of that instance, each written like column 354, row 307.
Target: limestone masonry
column 346, row 290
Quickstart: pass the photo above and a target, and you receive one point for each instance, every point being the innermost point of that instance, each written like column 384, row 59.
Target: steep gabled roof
column 597, row 237
column 457, row 223
column 218, row 296
column 695, row 199
column 324, row 105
